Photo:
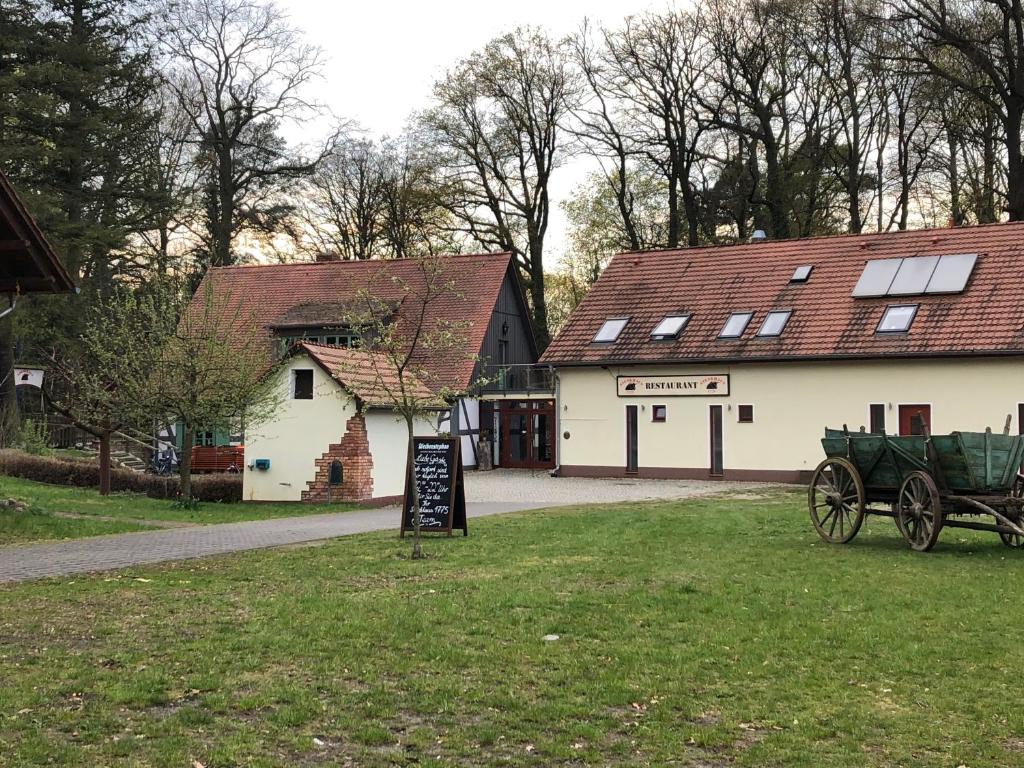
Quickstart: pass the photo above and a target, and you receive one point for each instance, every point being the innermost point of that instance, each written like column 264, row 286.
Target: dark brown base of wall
column 795, row 476
column 379, row 501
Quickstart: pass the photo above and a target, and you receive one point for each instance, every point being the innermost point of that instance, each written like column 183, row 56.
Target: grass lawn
column 709, row 633
column 47, row 501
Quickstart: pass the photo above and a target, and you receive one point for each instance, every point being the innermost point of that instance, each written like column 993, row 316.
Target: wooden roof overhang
column 28, row 263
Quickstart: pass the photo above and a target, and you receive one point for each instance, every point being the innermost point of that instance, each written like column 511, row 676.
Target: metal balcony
column 522, row 379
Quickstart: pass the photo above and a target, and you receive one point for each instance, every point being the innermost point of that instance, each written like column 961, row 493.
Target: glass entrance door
column 527, row 437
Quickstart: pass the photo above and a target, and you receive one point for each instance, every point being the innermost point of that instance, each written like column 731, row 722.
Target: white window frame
column 597, row 336
column 685, row 317
column 746, row 324
column 760, row 331
column 885, row 313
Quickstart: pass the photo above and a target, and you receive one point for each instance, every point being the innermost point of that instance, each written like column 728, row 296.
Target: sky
column 382, row 58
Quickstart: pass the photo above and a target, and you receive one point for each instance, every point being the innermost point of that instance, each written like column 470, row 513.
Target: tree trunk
column 540, row 310
column 673, row 209
column 224, row 222
column 955, row 210
column 774, row 188
column 188, row 437
column 105, row 463
column 8, row 396
column 417, row 545
column 1014, row 163
column 692, row 215
column 988, row 213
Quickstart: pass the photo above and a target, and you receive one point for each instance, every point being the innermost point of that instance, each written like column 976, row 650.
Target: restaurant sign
column 709, row 385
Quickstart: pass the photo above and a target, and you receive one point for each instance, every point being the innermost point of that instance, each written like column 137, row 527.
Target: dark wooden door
column 913, row 418
column 715, row 428
column 632, row 437
column 527, row 438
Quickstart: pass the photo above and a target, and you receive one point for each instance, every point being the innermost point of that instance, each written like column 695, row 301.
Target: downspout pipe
column 557, row 471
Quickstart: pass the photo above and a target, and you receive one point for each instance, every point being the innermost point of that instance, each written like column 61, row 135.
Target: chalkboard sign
column 438, row 472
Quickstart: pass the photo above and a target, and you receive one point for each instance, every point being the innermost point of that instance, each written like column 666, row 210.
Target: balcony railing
column 517, row 379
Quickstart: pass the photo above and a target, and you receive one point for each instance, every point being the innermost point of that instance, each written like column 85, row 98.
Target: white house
column 334, row 435
column 729, row 361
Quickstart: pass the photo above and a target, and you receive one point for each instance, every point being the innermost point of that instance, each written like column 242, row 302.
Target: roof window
column 801, row 274
column 897, row 318
column 735, row 325
column 611, row 329
column 670, row 327
column 774, row 323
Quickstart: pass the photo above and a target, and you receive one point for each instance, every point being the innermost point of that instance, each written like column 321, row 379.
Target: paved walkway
column 531, row 490
column 23, row 562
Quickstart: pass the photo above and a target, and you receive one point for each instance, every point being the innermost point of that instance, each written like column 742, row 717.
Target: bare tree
column 240, row 72
column 344, row 204
column 495, row 121
column 372, row 199
column 397, row 346
column 758, row 71
column 100, row 382
column 212, row 370
column 955, row 39
column 659, row 65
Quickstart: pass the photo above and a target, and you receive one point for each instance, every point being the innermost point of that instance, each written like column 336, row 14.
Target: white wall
column 389, row 443
column 298, row 433
column 469, row 418
column 793, row 403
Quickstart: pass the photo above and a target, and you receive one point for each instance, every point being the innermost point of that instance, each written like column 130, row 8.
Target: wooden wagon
column 925, row 482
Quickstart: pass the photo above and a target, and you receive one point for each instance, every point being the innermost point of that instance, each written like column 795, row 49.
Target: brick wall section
column 354, row 454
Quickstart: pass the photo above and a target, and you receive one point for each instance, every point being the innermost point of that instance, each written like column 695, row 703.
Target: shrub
column 33, row 438
column 84, row 473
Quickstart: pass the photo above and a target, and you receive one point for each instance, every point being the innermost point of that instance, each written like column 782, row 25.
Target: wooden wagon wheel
column 919, row 511
column 835, row 500
column 1015, row 540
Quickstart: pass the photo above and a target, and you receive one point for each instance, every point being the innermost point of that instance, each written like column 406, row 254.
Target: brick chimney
column 328, row 256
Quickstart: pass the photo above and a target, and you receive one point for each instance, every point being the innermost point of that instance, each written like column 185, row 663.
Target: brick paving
column 24, row 562
column 531, row 490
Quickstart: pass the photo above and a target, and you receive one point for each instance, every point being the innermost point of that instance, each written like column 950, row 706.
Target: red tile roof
column 367, row 375
column 274, row 295
column 827, row 322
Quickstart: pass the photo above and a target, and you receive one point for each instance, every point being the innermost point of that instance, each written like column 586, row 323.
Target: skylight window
column 801, row 274
column 735, row 325
column 611, row 329
column 774, row 323
column 670, row 327
column 897, row 318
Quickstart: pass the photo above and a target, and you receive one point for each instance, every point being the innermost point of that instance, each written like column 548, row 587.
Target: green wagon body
column 963, row 463
column 923, row 482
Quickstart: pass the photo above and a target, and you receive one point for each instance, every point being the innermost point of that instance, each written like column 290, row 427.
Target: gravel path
column 487, row 493
column 540, row 488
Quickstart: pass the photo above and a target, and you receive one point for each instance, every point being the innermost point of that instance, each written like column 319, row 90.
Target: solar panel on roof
column 913, row 275
column 877, row 276
column 952, row 273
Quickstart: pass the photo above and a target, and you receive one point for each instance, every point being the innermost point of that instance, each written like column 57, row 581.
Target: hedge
column 84, row 473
